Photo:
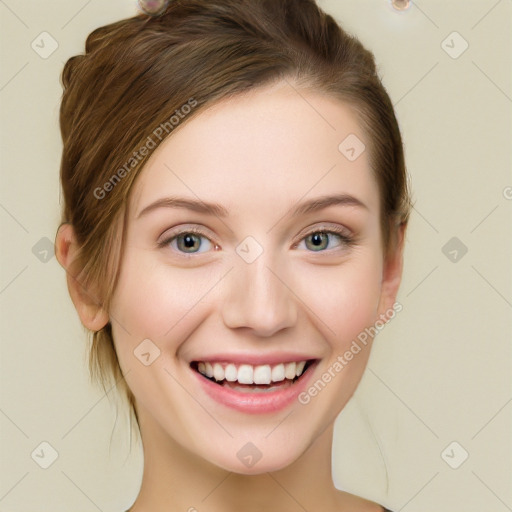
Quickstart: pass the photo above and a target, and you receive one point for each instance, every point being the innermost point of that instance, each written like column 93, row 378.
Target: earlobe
column 89, row 308
column 392, row 272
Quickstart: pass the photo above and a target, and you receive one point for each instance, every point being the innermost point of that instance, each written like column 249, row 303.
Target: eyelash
column 346, row 240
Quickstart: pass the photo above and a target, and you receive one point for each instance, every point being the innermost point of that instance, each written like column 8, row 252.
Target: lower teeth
column 256, row 388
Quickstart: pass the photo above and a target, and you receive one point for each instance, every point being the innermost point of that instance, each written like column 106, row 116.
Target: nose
column 258, row 298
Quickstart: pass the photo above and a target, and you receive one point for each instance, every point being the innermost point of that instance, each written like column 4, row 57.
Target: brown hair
column 139, row 73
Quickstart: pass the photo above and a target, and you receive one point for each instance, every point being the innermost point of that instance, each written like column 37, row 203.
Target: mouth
column 253, row 388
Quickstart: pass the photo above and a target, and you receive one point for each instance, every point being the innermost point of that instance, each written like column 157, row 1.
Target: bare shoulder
column 357, row 504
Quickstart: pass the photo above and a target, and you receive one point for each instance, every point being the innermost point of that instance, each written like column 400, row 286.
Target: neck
column 175, row 479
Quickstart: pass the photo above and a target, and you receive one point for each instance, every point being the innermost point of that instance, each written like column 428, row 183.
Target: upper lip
column 255, row 359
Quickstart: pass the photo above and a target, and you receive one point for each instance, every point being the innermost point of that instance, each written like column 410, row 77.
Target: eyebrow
column 318, row 203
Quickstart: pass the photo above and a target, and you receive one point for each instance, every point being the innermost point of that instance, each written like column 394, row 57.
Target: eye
column 320, row 240
column 190, row 241
column 193, row 241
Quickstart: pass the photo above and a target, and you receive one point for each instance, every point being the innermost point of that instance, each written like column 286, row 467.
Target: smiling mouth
column 253, row 378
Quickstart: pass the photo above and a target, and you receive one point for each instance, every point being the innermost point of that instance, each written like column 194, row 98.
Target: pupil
column 318, row 240
column 188, row 241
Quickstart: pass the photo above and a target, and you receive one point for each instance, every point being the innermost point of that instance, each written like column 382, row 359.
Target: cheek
column 155, row 301
column 344, row 298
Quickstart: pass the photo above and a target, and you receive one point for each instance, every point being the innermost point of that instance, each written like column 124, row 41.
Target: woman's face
column 273, row 274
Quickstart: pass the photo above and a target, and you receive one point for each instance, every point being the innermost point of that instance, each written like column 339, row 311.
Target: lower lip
column 256, row 402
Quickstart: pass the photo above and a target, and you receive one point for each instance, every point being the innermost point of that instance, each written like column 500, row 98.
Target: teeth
column 262, row 374
column 245, row 374
column 278, row 373
column 300, row 368
column 218, row 372
column 289, row 370
column 208, row 371
column 230, row 373
column 248, row 374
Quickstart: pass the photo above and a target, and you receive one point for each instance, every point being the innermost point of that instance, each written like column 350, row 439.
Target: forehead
column 277, row 142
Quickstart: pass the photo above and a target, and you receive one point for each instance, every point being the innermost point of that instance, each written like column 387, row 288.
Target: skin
column 258, row 155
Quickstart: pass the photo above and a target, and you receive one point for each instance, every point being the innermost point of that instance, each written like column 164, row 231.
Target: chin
column 242, row 456
column 257, row 467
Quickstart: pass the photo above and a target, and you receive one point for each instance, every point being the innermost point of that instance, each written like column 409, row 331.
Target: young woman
column 235, row 206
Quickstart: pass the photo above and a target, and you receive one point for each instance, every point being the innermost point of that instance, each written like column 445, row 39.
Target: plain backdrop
column 429, row 427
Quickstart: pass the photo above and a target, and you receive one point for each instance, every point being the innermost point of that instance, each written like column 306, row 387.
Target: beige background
column 440, row 371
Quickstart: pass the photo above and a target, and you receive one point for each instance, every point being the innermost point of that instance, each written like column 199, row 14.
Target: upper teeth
column 249, row 374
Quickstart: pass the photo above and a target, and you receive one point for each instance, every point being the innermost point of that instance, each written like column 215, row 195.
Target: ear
column 90, row 310
column 392, row 270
